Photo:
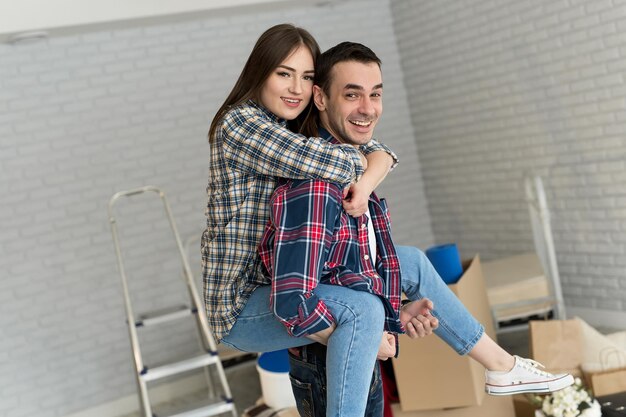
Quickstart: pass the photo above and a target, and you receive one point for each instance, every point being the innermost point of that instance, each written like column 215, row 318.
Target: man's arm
column 323, row 335
column 303, row 217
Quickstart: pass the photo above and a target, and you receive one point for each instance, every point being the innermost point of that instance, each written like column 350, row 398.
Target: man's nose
column 366, row 106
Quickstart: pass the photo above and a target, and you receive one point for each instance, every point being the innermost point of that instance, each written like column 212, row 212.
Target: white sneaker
column 525, row 377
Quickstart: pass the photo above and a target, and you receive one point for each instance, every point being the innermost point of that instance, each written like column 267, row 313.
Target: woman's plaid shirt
column 251, row 149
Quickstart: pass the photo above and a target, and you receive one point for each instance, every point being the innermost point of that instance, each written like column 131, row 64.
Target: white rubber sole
column 548, row 386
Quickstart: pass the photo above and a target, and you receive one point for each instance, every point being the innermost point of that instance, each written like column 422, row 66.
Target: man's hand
column 323, row 335
column 417, row 319
column 387, row 348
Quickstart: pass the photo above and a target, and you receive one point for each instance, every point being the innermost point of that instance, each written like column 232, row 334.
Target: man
column 355, row 124
column 310, row 239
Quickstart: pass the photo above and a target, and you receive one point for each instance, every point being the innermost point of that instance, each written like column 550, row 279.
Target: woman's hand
column 377, row 165
column 356, row 198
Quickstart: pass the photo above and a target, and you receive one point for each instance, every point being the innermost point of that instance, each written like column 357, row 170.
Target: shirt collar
column 266, row 112
column 326, row 135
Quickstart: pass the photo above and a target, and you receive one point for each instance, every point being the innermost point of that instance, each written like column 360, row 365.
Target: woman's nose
column 296, row 86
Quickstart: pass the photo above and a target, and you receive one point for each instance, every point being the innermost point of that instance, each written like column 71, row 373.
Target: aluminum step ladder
column 208, row 361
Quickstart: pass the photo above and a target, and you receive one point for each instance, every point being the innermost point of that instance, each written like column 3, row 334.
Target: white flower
column 568, row 402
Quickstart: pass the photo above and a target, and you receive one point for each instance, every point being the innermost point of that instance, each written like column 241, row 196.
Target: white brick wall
column 86, row 115
column 499, row 89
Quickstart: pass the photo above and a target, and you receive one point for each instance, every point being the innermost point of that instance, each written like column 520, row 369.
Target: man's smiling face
column 351, row 109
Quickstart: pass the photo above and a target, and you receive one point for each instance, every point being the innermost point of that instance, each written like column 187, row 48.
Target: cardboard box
column 608, row 382
column 429, row 374
column 514, row 279
column 523, row 407
column 558, row 345
column 491, row 407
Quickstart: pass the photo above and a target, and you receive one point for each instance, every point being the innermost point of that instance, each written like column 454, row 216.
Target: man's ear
column 319, row 98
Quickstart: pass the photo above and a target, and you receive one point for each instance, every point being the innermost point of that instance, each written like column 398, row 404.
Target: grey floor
column 246, row 389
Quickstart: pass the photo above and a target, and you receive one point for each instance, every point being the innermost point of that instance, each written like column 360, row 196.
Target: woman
column 251, row 147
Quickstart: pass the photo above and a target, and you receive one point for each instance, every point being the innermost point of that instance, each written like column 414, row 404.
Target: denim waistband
column 314, row 350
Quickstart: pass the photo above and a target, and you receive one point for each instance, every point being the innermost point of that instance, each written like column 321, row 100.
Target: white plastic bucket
column 273, row 370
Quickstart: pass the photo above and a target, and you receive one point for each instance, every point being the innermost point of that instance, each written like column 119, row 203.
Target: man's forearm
column 323, row 335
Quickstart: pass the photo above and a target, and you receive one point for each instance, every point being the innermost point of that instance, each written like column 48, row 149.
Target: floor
column 243, row 380
column 246, row 389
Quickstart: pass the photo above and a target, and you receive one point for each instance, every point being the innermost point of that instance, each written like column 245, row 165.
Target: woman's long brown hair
column 270, row 50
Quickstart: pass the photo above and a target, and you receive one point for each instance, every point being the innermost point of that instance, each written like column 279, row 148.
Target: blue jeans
column 353, row 346
column 419, row 279
column 457, row 327
column 351, row 350
column 308, row 383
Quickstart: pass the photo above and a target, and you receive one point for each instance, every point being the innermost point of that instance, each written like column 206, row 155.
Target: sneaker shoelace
column 532, row 366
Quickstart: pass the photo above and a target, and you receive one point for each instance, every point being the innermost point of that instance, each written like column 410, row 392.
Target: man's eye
column 377, row 95
column 351, row 95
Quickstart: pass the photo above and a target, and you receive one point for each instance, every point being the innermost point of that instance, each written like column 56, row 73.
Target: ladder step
column 152, row 374
column 206, row 410
column 163, row 316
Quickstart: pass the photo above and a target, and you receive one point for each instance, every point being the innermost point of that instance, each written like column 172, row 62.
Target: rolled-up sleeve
column 373, row 146
column 303, row 218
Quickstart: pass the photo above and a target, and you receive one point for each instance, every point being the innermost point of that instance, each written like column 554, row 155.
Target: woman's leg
column 258, row 330
column 352, row 347
column 457, row 327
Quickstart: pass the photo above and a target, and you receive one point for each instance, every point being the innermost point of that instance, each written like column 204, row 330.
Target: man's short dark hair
column 345, row 51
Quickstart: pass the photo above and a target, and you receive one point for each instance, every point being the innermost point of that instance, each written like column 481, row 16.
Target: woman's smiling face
column 287, row 91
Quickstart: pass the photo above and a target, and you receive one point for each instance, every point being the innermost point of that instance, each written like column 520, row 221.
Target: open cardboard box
column 429, row 374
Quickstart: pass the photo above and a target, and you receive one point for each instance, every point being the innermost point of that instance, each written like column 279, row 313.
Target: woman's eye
column 308, row 78
column 283, row 74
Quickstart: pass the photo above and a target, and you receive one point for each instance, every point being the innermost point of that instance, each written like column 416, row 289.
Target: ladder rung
column 163, row 316
column 207, row 410
column 152, row 374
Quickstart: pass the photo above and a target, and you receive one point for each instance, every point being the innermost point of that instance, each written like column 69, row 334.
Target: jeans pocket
column 303, row 393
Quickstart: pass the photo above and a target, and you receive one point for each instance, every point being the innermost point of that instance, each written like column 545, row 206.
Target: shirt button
column 363, row 226
column 366, row 257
